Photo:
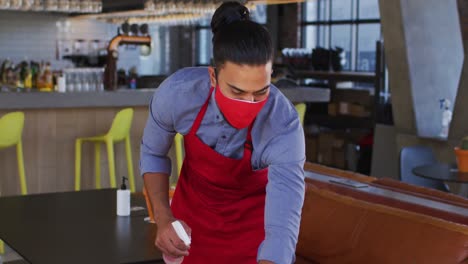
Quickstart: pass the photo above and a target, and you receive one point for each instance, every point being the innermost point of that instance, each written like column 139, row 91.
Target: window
column 353, row 25
column 204, row 46
column 341, row 10
column 368, row 34
column 341, row 37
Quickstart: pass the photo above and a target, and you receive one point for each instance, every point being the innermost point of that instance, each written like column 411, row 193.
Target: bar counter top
column 122, row 98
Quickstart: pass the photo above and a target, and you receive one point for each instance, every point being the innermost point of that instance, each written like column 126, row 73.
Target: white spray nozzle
column 180, row 230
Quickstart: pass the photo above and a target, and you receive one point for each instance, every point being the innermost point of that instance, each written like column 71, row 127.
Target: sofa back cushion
column 337, row 229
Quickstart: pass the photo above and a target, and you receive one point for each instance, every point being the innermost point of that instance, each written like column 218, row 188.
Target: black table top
column 76, row 227
column 441, row 172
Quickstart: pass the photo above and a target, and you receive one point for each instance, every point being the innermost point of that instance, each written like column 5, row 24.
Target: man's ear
column 212, row 73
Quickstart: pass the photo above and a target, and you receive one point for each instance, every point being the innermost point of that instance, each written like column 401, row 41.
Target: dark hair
column 238, row 39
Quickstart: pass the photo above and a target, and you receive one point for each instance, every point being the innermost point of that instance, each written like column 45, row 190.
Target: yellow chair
column 11, row 129
column 301, row 109
column 179, row 151
column 119, row 131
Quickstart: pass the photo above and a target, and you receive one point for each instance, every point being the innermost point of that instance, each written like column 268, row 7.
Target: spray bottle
column 446, row 117
column 180, row 230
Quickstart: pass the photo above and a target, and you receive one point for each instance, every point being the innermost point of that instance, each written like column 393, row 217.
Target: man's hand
column 167, row 239
column 265, row 262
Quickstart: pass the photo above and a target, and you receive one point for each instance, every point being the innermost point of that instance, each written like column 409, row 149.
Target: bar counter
column 122, row 98
column 54, row 120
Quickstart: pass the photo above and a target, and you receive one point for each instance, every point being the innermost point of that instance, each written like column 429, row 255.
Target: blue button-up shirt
column 278, row 143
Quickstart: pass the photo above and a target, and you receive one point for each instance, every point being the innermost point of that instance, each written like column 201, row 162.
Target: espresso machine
column 127, row 35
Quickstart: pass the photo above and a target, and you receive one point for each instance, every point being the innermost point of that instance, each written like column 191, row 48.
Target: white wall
column 33, row 36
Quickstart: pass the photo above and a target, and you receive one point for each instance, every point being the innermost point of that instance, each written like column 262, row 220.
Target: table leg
column 463, row 190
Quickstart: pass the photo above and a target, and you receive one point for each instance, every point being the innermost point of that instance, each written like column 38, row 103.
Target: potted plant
column 462, row 155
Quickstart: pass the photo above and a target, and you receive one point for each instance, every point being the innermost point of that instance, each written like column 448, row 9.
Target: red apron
column 222, row 200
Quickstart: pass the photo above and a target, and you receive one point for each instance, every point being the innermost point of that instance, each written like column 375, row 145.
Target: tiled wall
column 33, row 36
column 28, row 36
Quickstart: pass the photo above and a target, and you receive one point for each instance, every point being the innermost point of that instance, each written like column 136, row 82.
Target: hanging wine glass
column 27, row 4
column 51, row 5
column 150, row 6
column 63, row 6
column 15, row 4
column 38, row 5
column 4, row 4
column 74, row 6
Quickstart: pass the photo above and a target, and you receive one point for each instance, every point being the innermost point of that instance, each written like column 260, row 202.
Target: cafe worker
column 241, row 188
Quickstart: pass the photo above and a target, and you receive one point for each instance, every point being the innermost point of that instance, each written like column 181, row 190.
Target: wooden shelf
column 367, row 77
column 340, row 122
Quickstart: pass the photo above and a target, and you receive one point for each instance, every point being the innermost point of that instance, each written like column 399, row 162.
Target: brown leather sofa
column 386, row 222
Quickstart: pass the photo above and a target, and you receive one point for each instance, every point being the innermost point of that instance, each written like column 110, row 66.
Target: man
column 241, row 188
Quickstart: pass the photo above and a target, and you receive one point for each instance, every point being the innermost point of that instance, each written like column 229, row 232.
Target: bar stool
column 301, row 109
column 11, row 130
column 179, row 151
column 119, row 131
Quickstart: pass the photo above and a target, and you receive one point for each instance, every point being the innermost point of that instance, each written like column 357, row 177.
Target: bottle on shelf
column 44, row 78
column 28, row 77
column 48, row 78
column 35, row 68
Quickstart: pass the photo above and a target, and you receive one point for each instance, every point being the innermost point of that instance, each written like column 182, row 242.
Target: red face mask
column 238, row 113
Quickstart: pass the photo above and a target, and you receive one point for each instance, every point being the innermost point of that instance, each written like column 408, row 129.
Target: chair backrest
column 301, row 109
column 179, row 151
column 414, row 156
column 11, row 128
column 121, row 124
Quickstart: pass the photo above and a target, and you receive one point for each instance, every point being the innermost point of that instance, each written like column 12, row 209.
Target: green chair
column 301, row 109
column 119, row 131
column 11, row 130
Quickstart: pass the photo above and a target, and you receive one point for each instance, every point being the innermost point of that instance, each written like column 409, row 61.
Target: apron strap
column 201, row 114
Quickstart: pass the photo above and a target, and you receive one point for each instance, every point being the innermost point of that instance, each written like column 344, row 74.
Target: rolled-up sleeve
column 285, row 156
column 158, row 133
